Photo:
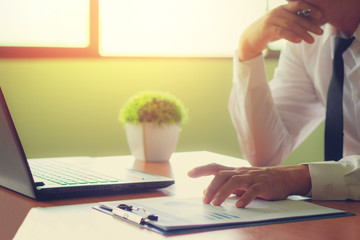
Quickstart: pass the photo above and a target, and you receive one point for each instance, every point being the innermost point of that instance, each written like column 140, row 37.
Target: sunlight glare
column 174, row 27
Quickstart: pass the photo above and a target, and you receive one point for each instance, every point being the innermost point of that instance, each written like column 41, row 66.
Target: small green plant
column 155, row 107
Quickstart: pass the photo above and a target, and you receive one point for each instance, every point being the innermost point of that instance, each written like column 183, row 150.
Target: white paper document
column 175, row 216
column 177, row 213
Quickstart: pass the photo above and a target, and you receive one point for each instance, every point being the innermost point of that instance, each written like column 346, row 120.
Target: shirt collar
column 330, row 31
column 357, row 33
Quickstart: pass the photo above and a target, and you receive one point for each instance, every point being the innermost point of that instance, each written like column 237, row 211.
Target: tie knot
column 341, row 45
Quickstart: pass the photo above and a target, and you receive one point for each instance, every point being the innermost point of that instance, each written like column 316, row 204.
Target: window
column 50, row 29
column 112, row 28
column 174, row 27
column 275, row 3
column 55, row 23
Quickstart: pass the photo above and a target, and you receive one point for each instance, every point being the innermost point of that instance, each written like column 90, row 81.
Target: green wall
column 65, row 107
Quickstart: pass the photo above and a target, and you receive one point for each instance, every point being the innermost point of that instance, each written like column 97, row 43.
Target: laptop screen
column 14, row 170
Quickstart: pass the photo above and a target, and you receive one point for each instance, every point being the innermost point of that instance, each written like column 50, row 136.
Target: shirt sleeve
column 336, row 180
column 271, row 120
column 253, row 113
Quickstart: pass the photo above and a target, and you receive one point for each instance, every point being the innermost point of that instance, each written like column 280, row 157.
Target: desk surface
column 14, row 207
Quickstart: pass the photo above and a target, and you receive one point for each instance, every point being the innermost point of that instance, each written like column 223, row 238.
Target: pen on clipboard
column 132, row 214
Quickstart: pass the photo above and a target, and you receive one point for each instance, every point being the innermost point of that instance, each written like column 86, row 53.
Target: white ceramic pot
column 151, row 142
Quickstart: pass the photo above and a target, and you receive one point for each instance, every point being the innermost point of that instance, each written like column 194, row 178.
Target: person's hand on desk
column 269, row 183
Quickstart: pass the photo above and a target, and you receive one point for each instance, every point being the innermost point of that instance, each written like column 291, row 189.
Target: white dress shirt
column 272, row 119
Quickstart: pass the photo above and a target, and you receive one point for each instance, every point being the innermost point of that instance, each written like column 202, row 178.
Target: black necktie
column 334, row 122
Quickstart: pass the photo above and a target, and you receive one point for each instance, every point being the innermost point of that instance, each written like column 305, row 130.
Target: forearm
column 300, row 178
column 269, row 127
column 246, row 47
column 263, row 138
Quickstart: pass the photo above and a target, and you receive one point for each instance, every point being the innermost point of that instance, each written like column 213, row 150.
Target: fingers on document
column 227, row 182
column 206, row 170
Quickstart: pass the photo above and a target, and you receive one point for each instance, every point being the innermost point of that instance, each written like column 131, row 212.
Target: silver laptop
column 47, row 179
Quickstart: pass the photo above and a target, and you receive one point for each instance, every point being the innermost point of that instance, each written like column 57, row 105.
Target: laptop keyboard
column 66, row 174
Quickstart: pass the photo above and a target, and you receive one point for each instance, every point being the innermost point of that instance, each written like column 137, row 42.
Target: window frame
column 91, row 51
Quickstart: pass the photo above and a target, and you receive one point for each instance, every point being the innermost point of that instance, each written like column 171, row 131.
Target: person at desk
column 272, row 119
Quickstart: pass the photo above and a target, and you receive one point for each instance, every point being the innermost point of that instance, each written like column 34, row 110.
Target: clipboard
column 187, row 215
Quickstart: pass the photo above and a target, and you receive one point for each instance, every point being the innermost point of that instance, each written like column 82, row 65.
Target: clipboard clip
column 136, row 215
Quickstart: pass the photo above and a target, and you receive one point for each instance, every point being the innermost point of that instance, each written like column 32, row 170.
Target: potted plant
column 153, row 121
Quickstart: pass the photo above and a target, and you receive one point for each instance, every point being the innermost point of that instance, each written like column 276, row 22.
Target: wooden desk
column 14, row 207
